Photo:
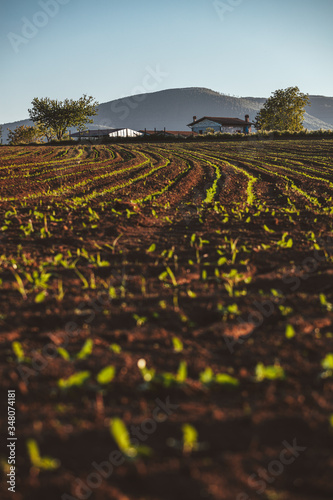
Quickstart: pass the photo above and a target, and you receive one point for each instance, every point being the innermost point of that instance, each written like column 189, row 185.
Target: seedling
column 19, row 353
column 44, row 463
column 140, row 320
column 208, row 378
column 115, row 348
column 327, row 364
column 177, row 344
column 272, row 372
column 121, row 436
column 290, row 332
column 165, row 379
column 76, row 380
column 84, row 353
column 106, row 375
column 324, row 302
column 190, row 439
column 152, row 248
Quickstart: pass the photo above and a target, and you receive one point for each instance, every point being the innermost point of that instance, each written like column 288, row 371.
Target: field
column 166, row 320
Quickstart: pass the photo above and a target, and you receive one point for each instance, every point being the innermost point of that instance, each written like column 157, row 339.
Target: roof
column 95, row 133
column 222, row 121
column 184, row 133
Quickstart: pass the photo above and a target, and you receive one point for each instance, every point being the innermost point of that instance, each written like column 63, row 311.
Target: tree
column 23, row 135
column 59, row 115
column 284, row 110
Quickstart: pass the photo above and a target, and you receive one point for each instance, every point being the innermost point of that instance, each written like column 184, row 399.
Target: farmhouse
column 109, row 132
column 224, row 125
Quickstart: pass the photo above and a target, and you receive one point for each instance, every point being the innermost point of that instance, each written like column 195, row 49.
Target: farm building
column 224, row 125
column 109, row 132
column 167, row 133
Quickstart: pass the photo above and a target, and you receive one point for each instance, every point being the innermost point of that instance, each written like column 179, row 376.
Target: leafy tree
column 23, row 135
column 284, row 110
column 59, row 115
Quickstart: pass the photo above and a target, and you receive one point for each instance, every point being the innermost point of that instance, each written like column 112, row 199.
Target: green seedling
column 106, row 375
column 121, row 436
column 152, row 248
column 115, row 348
column 268, row 230
column 38, row 280
column 324, row 302
column 165, row 379
column 285, row 310
column 327, row 364
column 190, row 439
column 44, row 463
column 40, row 297
column 84, row 352
column 20, row 285
column 76, row 380
column 283, row 243
column 177, row 344
column 140, row 320
column 272, row 372
column 19, row 353
column 228, row 312
column 208, row 378
column 290, row 332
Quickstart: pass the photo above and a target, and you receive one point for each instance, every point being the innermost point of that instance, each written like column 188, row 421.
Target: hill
column 175, row 108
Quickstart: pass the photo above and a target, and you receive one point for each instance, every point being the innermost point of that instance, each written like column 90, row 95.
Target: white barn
column 110, row 132
column 223, row 125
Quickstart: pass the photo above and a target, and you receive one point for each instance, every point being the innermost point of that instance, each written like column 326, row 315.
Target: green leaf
column 225, row 379
column 152, row 248
column 121, row 436
column 182, row 372
column 75, row 380
column 106, row 375
column 115, row 348
column 46, row 463
column 272, row 372
column 177, row 344
column 267, row 229
column 63, row 353
column 86, row 349
column 18, row 351
column 40, row 297
column 290, row 332
column 327, row 362
column 207, row 376
column 190, row 438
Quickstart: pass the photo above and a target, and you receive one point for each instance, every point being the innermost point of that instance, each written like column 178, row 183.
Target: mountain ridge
column 174, row 109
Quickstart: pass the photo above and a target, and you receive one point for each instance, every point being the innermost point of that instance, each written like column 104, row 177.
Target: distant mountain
column 174, row 109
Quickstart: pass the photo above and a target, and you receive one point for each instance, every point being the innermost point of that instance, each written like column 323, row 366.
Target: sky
column 111, row 49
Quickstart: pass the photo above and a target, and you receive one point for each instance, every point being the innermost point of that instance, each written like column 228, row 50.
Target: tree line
column 283, row 111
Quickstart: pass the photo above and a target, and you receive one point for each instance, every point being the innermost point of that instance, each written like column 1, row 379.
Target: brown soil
column 83, row 202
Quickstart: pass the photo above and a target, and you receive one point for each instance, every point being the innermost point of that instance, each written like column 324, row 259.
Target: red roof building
column 221, row 124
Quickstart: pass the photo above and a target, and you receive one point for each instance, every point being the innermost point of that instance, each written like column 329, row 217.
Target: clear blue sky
column 105, row 48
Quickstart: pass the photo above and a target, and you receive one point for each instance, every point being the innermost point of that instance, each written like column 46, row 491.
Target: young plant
column 190, row 439
column 208, row 378
column 121, row 436
column 272, row 372
column 19, row 353
column 75, row 380
column 290, row 332
column 84, row 352
column 44, row 463
column 327, row 364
